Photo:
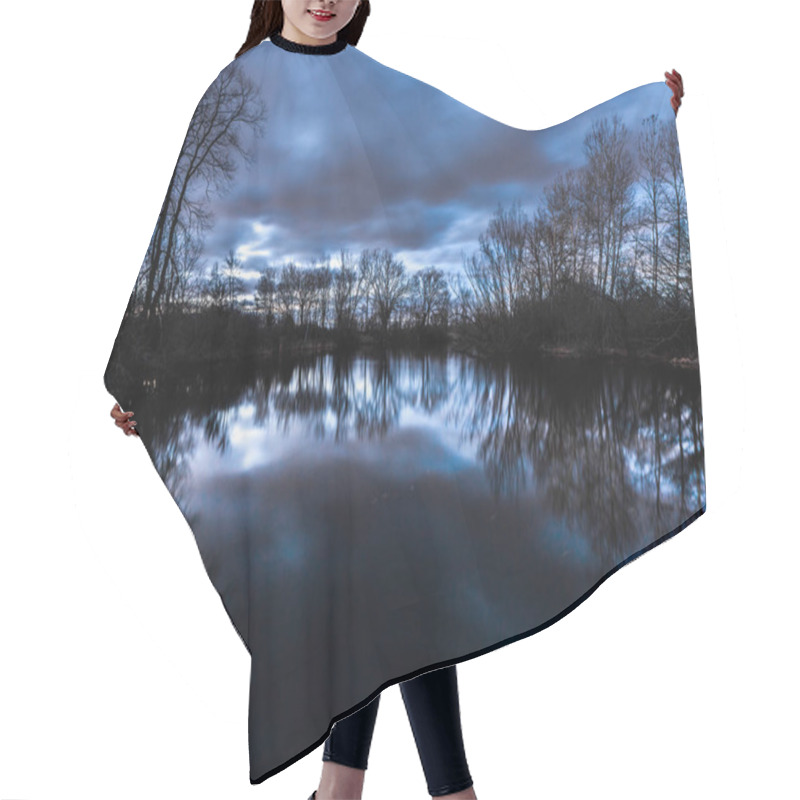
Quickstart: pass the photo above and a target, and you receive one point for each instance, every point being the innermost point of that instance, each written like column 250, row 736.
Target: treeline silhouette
column 602, row 265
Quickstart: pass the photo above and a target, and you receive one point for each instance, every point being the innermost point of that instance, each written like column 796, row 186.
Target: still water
column 420, row 501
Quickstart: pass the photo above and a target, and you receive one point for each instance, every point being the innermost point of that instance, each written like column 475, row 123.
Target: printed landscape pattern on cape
column 419, row 381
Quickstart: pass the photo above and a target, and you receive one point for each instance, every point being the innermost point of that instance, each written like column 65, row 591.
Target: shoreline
column 610, row 352
column 544, row 351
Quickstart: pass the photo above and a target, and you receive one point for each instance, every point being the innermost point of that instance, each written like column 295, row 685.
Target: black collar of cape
column 312, row 49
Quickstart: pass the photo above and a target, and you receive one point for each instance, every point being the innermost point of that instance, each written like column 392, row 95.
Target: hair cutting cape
column 419, row 381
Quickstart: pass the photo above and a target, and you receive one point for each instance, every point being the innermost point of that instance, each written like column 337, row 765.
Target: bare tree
column 215, row 289
column 430, row 297
column 322, row 279
column 463, row 303
column 306, row 291
column 367, row 281
column 229, row 106
column 288, row 290
column 496, row 271
column 606, row 195
column 677, row 238
column 652, row 162
column 234, row 285
column 185, row 286
column 388, row 285
column 346, row 293
column 266, row 293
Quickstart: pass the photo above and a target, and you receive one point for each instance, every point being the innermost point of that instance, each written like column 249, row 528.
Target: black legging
column 431, row 701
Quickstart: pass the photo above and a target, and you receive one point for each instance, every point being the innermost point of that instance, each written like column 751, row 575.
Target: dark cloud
column 355, row 154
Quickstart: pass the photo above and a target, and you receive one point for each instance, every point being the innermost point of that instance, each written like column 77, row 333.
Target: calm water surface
column 453, row 499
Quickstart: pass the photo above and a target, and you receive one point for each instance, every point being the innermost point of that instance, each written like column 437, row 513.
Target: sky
column 355, row 154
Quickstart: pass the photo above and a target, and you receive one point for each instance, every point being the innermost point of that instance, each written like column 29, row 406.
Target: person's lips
column 321, row 15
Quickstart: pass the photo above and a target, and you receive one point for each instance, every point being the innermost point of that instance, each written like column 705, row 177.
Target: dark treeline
column 604, row 262
column 602, row 265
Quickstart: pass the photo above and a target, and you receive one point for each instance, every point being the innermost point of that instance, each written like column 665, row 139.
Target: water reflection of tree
column 603, row 446
column 171, row 441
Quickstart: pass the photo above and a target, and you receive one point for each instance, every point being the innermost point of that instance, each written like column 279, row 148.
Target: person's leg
column 346, row 753
column 433, row 710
